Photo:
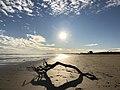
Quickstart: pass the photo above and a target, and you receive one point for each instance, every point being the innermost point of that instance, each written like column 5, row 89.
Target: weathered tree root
column 42, row 70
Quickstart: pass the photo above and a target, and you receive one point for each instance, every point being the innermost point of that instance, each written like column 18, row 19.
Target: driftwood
column 41, row 70
column 47, row 83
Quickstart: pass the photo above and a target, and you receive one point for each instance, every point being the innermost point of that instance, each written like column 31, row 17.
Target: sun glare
column 61, row 56
column 63, row 35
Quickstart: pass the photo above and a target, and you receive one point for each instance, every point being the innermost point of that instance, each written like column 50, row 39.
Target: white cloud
column 91, row 45
column 36, row 38
column 112, row 3
column 50, row 45
column 15, row 6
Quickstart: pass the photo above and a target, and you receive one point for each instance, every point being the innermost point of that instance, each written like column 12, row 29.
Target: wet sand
column 104, row 67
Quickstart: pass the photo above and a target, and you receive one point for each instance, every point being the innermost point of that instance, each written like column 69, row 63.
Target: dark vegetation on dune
column 96, row 53
column 91, row 52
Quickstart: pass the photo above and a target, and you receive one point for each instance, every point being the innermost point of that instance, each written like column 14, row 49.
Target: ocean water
column 16, row 58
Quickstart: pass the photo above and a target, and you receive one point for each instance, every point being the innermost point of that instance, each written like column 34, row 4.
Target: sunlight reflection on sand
column 61, row 56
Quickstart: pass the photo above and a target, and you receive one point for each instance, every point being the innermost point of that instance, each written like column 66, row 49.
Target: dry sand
column 105, row 67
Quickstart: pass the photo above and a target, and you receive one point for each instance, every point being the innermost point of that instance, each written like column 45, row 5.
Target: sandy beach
column 105, row 67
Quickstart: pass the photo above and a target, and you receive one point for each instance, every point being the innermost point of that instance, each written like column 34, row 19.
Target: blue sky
column 89, row 24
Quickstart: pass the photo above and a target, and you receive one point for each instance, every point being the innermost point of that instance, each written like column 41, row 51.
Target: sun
column 63, row 35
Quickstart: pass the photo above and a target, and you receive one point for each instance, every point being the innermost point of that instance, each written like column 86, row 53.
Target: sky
column 34, row 26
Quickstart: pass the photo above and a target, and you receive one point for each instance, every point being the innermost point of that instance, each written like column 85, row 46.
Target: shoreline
column 17, row 60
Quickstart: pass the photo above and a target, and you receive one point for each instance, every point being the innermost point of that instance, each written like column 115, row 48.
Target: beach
column 105, row 67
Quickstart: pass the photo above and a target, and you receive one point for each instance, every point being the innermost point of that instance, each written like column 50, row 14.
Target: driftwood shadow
column 47, row 83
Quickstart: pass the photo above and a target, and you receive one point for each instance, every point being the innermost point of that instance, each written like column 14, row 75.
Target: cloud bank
column 30, row 44
column 36, row 44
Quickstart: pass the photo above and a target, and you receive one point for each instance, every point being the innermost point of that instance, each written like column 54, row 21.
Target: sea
column 6, row 59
